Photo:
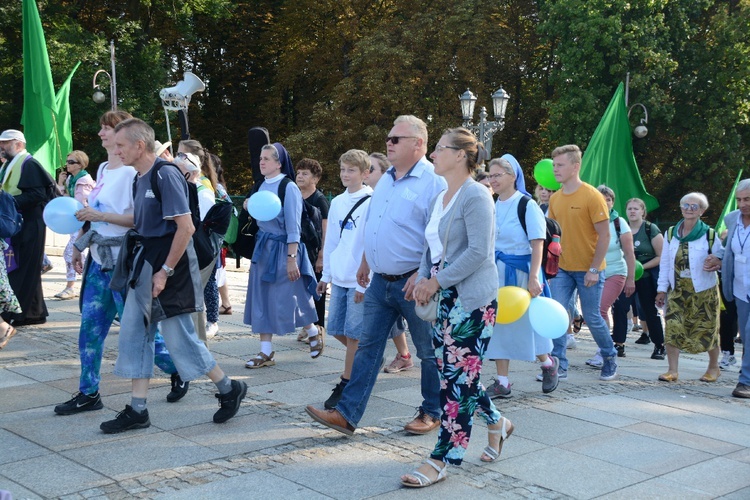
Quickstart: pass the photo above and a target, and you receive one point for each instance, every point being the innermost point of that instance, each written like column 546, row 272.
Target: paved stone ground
column 634, row 437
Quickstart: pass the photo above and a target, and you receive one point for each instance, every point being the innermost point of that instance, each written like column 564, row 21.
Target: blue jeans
column 384, row 302
column 562, row 288
column 743, row 318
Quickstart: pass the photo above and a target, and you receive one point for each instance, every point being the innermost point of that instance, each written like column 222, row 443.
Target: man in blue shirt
column 394, row 241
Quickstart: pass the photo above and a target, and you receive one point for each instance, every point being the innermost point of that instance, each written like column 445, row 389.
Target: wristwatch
column 594, row 270
column 168, row 270
column 292, row 255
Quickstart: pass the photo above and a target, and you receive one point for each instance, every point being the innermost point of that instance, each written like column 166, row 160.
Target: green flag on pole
column 609, row 156
column 730, row 206
column 45, row 119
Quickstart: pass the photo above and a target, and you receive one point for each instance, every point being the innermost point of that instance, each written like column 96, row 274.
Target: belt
column 396, row 277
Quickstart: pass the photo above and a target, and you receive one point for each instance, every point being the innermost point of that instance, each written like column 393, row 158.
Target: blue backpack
column 10, row 219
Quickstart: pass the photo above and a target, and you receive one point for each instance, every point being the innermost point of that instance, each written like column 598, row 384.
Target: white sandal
column 505, row 432
column 424, row 481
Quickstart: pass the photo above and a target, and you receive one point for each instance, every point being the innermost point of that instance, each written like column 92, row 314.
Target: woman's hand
column 292, row 271
column 535, row 288
column 88, row 214
column 660, row 299
column 425, row 289
column 358, row 297
column 629, row 286
column 712, row 263
column 319, row 263
column 322, row 287
column 77, row 261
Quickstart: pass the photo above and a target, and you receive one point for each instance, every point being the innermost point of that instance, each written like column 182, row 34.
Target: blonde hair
column 356, row 158
column 419, row 128
column 81, row 157
column 467, row 142
column 573, row 152
column 637, row 201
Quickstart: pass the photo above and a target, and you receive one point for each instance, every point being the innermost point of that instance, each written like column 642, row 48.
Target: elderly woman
column 647, row 244
column 110, row 212
column 460, row 233
column 281, row 285
column 76, row 183
column 518, row 254
column 688, row 285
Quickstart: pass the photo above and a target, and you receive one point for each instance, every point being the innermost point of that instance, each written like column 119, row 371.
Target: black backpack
column 209, row 232
column 553, row 231
column 311, row 225
column 10, row 219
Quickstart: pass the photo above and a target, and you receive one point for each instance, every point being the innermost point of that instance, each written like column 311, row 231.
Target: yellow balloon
column 512, row 303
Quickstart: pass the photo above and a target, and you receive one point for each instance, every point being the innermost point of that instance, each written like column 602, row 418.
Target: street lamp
column 484, row 130
column 639, row 131
column 98, row 96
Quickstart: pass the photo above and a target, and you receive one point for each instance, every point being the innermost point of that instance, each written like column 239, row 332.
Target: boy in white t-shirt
column 342, row 255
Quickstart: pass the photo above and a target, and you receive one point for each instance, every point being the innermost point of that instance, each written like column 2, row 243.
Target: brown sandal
column 8, row 335
column 260, row 360
column 225, row 310
column 317, row 350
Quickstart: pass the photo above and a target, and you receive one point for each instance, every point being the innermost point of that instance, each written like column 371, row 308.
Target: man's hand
column 322, row 287
column 159, row 281
column 319, row 263
column 363, row 274
column 409, row 287
column 358, row 297
column 590, row 279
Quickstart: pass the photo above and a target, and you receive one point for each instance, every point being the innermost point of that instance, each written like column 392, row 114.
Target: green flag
column 730, row 206
column 45, row 119
column 609, row 157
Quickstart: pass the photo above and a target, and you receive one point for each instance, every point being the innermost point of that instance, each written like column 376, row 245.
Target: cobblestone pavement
column 633, row 437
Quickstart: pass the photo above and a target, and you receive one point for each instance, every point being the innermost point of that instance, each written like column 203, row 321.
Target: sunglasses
column 73, row 162
column 393, row 139
column 690, row 206
column 183, row 155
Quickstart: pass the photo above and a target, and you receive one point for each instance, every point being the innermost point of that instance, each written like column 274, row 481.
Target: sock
column 503, row 380
column 224, row 385
column 311, row 334
column 266, row 347
column 138, row 404
column 548, row 363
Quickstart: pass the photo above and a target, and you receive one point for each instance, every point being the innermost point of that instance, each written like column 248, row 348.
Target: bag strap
column 349, row 215
column 522, row 203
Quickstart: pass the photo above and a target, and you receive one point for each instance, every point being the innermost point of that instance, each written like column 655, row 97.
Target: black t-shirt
column 318, row 199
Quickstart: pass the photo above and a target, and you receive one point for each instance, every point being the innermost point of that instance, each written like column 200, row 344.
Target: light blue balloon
column 264, row 205
column 548, row 317
column 60, row 215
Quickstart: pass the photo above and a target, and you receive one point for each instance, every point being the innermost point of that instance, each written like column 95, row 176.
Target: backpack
column 209, row 232
column 10, row 219
column 551, row 249
column 311, row 227
column 710, row 236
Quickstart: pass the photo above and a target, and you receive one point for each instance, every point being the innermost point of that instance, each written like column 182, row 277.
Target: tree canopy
column 326, row 76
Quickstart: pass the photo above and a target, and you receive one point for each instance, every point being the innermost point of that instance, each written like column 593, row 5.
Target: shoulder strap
column 522, row 203
column 670, row 232
column 282, row 190
column 617, row 228
column 711, row 236
column 349, row 215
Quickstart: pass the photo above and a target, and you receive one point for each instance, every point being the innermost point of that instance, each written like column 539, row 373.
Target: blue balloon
column 548, row 317
column 264, row 205
column 60, row 215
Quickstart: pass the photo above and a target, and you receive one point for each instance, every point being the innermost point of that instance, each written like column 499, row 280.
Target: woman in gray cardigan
column 467, row 285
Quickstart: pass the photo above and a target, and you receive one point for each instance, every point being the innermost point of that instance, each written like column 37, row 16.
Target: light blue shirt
column 396, row 219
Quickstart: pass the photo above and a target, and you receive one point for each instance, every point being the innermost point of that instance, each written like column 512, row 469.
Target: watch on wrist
column 168, row 270
column 292, row 255
column 593, row 270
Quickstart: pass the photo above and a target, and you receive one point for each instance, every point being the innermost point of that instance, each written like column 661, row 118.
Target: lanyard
column 743, row 242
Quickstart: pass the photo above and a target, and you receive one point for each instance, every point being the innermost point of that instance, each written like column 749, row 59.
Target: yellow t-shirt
column 577, row 213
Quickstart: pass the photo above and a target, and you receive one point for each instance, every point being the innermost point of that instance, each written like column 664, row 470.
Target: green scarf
column 72, row 182
column 613, row 215
column 700, row 229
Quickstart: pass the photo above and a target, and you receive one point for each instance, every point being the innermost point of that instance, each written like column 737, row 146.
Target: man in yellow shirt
column 584, row 219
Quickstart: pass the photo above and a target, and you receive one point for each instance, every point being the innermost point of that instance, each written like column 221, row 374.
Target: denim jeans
column 743, row 317
column 345, row 317
column 562, row 288
column 384, row 302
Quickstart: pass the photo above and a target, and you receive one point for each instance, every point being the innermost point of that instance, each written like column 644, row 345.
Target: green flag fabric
column 46, row 118
column 730, row 206
column 609, row 156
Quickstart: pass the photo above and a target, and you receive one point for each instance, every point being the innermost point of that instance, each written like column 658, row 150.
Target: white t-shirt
column 431, row 232
column 113, row 194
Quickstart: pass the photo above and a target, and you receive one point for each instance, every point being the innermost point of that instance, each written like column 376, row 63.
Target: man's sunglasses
column 393, row 139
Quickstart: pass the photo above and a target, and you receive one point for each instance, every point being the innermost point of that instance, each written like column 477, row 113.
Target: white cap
column 12, row 135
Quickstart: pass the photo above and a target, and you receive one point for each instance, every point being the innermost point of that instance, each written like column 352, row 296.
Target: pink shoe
column 399, row 364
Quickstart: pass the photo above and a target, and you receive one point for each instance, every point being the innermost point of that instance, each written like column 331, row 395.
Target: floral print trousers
column 460, row 338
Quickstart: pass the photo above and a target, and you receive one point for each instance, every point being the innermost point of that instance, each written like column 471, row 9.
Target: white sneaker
column 596, row 361
column 211, row 330
column 630, row 325
column 571, row 341
column 727, row 360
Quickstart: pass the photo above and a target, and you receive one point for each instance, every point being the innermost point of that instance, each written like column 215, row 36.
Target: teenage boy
column 342, row 255
column 309, row 173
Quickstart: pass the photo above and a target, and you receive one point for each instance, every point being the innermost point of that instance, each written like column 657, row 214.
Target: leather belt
column 397, row 277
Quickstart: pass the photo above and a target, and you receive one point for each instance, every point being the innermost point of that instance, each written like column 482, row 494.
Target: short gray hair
column 606, row 191
column 702, row 200
column 419, row 128
column 504, row 164
column 274, row 151
column 138, row 130
column 744, row 185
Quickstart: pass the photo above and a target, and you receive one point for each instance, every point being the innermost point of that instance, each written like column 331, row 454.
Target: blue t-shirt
column 154, row 219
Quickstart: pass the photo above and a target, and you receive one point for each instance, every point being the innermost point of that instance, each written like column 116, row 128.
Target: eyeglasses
column 690, row 206
column 440, row 147
column 495, row 177
column 393, row 139
column 73, row 162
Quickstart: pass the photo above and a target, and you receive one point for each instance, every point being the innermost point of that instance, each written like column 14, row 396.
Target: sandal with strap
column 317, row 349
column 225, row 309
column 260, row 360
column 577, row 324
column 491, row 454
column 303, row 337
column 7, row 336
column 422, row 480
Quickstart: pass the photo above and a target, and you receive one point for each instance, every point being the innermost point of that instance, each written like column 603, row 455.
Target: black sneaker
column 230, row 403
column 331, row 402
column 179, row 388
column 659, row 352
column 620, row 350
column 80, row 402
column 643, row 339
column 126, row 420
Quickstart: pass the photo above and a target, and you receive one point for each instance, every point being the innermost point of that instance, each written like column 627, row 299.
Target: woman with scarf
column 77, row 184
column 518, row 255
column 281, row 285
column 690, row 289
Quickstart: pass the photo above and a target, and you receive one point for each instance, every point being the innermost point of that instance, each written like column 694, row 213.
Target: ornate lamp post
column 98, row 96
column 484, row 130
column 639, row 131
